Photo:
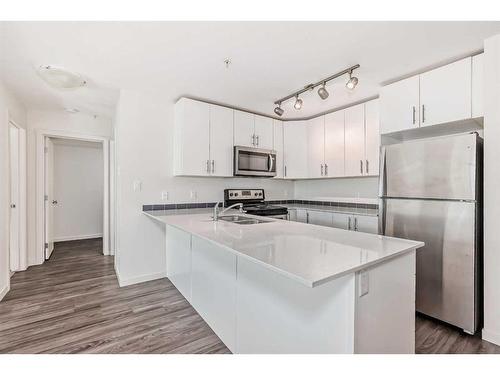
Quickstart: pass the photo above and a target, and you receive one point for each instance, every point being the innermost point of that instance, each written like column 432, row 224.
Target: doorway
column 17, row 212
column 73, row 192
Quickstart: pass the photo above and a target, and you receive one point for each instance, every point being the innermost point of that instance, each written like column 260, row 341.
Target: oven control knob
column 256, row 194
column 235, row 194
column 260, row 193
column 230, row 194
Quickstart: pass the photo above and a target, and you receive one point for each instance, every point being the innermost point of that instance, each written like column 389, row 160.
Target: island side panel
column 178, row 248
column 276, row 314
column 385, row 315
column 213, row 288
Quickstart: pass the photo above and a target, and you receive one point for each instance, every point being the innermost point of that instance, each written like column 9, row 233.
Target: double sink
column 243, row 220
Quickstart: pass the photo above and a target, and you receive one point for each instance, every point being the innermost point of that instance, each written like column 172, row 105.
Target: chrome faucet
column 217, row 213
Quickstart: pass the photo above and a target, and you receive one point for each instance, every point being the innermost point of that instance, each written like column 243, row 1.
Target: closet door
column 355, row 140
column 334, row 144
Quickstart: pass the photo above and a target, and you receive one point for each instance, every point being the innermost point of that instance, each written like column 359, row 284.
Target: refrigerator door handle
column 382, row 181
column 381, row 216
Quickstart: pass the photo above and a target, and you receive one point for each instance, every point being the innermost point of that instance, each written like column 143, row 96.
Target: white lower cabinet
column 320, row 218
column 178, row 258
column 301, row 216
column 213, row 288
column 366, row 224
column 342, row 221
column 360, row 223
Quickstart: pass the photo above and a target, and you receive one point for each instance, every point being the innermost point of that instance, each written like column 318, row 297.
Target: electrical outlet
column 364, row 283
column 193, row 194
column 137, row 185
column 164, row 195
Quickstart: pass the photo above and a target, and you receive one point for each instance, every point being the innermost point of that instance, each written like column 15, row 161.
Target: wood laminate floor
column 72, row 304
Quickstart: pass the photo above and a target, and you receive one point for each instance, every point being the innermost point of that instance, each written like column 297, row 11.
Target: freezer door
column 439, row 168
column 447, row 264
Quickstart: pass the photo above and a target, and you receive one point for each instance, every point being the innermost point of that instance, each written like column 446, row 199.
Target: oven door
column 250, row 161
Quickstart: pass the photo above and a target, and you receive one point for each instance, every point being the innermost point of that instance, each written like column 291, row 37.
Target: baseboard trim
column 80, row 237
column 4, row 291
column 490, row 336
column 139, row 279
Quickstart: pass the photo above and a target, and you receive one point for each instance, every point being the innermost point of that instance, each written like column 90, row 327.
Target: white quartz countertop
column 310, row 254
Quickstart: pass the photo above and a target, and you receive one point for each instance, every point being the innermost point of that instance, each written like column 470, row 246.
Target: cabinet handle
column 253, row 139
column 326, row 169
column 213, row 166
column 322, row 169
column 307, row 217
column 208, row 166
column 367, row 166
column 423, row 113
column 414, row 114
column 257, row 137
column 361, row 166
column 285, row 170
column 349, row 223
column 356, row 224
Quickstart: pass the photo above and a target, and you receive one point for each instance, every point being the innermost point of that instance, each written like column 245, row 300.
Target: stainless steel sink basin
column 242, row 219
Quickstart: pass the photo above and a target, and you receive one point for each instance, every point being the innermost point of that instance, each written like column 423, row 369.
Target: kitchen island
column 288, row 287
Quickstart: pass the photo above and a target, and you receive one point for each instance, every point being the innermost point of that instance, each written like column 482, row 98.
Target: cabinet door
column 292, row 214
column 295, row 144
column 445, row 93
column 366, row 224
column 355, row 140
column 477, row 85
column 399, row 105
column 372, row 138
column 301, row 216
column 244, row 129
column 320, row 218
column 278, row 146
column 263, row 132
column 316, row 147
column 178, row 259
column 340, row 220
column 221, row 141
column 192, row 128
column 334, row 144
column 213, row 293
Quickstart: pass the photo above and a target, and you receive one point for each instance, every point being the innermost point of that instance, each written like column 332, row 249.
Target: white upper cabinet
column 192, row 130
column 399, row 106
column 477, row 85
column 355, row 140
column 244, row 126
column 221, row 141
column 278, row 147
column 316, row 147
column 446, row 93
column 263, row 132
column 334, row 144
column 372, row 138
column 295, row 144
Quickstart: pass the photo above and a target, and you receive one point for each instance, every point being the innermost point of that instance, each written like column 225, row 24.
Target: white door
column 372, row 137
column 320, row 218
column 14, row 228
column 399, row 105
column 355, row 140
column 278, row 146
column 316, row 147
column 366, row 224
column 49, row 197
column 334, row 144
column 341, row 221
column 295, row 144
column 221, row 141
column 194, row 128
column 244, row 129
column 263, row 132
column 445, row 93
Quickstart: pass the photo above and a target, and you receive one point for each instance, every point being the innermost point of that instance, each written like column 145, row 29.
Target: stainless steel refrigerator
column 431, row 191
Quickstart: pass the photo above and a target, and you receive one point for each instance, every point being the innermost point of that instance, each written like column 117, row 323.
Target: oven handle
column 271, row 162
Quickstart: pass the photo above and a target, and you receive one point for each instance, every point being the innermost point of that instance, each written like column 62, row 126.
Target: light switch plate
column 364, row 283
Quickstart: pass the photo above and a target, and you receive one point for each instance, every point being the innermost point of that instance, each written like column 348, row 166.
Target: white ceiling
column 269, row 59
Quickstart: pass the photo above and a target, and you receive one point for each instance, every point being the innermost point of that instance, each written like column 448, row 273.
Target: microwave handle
column 271, row 162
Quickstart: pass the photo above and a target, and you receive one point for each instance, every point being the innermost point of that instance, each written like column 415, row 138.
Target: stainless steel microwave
column 249, row 161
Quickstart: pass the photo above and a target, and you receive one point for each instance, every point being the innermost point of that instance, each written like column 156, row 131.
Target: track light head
column 298, row 103
column 278, row 110
column 322, row 92
column 353, row 81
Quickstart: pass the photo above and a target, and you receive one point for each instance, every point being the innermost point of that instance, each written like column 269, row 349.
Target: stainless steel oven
column 249, row 161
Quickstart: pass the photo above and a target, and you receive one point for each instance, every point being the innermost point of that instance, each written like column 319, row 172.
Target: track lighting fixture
column 323, row 94
column 298, row 103
column 322, row 91
column 353, row 81
column 278, row 110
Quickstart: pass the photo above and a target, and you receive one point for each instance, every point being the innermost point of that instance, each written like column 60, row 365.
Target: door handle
column 355, row 223
column 326, row 169
column 361, row 166
column 271, row 162
column 307, row 217
column 208, row 166
column 257, row 137
column 253, row 139
column 414, row 114
column 13, row 205
column 349, row 223
column 322, row 169
column 213, row 166
column 367, row 167
column 423, row 113
column 285, row 170
column 54, row 202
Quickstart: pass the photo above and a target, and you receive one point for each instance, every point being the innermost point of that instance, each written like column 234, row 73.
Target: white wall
column 78, row 189
column 491, row 331
column 359, row 187
column 79, row 123
column 144, row 151
column 11, row 108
